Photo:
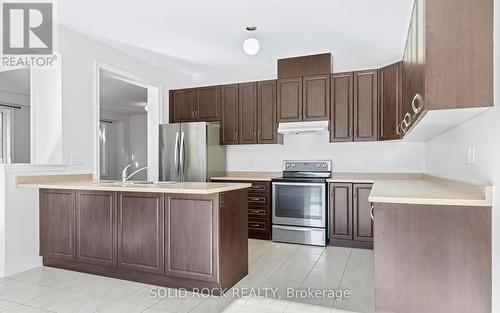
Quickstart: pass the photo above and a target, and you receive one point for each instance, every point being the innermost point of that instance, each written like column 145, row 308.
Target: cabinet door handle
column 254, row 135
column 371, row 212
column 193, row 114
column 420, row 103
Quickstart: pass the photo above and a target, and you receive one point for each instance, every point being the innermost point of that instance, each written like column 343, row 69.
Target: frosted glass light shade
column 251, row 46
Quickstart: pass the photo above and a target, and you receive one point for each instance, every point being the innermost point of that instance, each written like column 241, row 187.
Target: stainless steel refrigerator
column 191, row 152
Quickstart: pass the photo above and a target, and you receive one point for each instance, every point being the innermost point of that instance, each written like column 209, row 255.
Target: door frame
column 154, row 114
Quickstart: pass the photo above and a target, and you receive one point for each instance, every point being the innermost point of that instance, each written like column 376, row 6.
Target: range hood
column 303, row 127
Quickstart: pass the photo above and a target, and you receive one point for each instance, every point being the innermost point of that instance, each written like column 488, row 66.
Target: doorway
column 15, row 116
column 128, row 111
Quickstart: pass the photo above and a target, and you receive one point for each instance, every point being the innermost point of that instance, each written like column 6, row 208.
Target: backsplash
column 390, row 156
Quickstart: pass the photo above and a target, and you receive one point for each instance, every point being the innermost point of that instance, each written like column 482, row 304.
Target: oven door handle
column 297, row 228
column 297, row 184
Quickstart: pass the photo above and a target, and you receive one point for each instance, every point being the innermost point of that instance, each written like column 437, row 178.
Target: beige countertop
column 404, row 188
column 249, row 176
column 430, row 190
column 82, row 182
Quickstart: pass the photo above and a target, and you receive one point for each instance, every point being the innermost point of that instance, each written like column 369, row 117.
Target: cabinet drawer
column 260, row 187
column 257, row 212
column 258, row 225
column 258, row 199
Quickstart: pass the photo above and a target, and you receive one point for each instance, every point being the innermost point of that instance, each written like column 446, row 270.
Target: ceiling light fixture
column 251, row 45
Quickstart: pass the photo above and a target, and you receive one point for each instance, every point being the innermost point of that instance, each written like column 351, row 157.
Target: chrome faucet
column 125, row 178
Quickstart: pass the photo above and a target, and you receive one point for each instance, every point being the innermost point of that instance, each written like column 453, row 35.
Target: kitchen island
column 180, row 235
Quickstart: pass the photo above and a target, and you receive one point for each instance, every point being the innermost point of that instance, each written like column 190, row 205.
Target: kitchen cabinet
column 341, row 111
column 289, row 100
column 140, row 232
column 191, row 224
column 171, row 240
column 350, row 221
column 57, row 224
column 230, row 115
column 182, row 105
column 365, row 106
column 96, row 227
column 207, row 104
column 195, row 104
column 447, row 62
column 304, row 98
column 316, row 97
column 247, row 111
column 259, row 209
column 362, row 221
column 354, row 106
column 390, row 100
column 266, row 113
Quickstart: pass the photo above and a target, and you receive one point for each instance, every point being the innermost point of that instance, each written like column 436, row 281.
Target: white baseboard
column 19, row 266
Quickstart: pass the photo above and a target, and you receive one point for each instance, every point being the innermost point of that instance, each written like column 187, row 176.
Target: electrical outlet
column 471, row 155
column 366, row 160
column 76, row 159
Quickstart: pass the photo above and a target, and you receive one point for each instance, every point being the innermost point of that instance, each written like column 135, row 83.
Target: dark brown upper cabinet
column 390, row 100
column 208, row 104
column 57, row 224
column 289, row 100
column 365, row 106
column 182, row 105
column 316, row 97
column 341, row 111
column 448, row 58
column 308, row 65
column 230, row 116
column 266, row 112
column 247, row 112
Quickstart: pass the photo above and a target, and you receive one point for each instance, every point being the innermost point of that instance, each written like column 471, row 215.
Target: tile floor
column 271, row 265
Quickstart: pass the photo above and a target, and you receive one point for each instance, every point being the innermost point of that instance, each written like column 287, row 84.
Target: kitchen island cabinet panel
column 96, row 227
column 177, row 240
column 191, row 225
column 140, row 232
column 57, row 224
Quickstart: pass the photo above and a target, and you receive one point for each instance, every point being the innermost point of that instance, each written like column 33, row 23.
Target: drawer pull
column 257, row 199
column 257, row 211
column 255, row 225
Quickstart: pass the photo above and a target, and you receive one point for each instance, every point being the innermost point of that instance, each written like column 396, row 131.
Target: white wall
column 446, row 156
column 78, row 71
column 391, row 156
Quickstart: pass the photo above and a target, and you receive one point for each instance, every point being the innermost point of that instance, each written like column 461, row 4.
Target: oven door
column 299, row 204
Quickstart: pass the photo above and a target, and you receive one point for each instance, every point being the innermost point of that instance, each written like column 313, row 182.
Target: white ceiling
column 16, row 81
column 197, row 37
column 119, row 96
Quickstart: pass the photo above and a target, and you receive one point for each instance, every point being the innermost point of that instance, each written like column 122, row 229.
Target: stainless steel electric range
column 300, row 202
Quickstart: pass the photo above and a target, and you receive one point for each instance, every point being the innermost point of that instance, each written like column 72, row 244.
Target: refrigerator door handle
column 176, row 152
column 181, row 157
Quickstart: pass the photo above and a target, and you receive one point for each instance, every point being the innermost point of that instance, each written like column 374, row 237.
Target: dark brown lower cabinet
column 96, row 227
column 350, row 220
column 259, row 209
column 57, row 224
column 432, row 258
column 171, row 240
column 140, row 232
column 191, row 224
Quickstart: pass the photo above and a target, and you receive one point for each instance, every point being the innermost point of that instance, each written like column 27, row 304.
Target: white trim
column 21, row 265
column 135, row 79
